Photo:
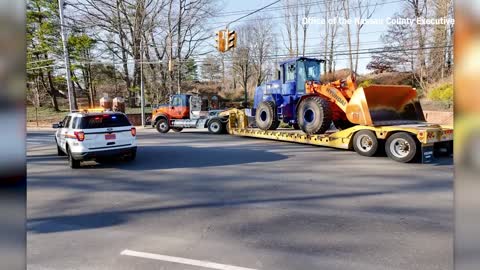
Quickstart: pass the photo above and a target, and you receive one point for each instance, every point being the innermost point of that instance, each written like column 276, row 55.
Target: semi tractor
column 185, row 111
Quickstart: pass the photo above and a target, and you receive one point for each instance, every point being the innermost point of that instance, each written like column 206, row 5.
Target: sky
column 369, row 37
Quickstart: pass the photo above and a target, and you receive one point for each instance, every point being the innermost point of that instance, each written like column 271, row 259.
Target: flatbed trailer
column 427, row 140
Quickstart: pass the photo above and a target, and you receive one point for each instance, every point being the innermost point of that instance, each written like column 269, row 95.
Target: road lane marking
column 166, row 258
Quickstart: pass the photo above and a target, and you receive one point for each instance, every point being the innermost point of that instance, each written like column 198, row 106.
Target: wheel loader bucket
column 377, row 105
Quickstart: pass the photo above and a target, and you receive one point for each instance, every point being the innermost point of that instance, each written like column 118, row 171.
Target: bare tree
column 399, row 49
column 171, row 31
column 261, row 46
column 419, row 8
column 291, row 26
column 242, row 63
column 438, row 55
column 211, row 69
column 307, row 6
column 364, row 10
column 330, row 9
column 346, row 10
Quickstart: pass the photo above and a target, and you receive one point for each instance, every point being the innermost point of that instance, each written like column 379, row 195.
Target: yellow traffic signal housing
column 231, row 40
column 220, row 40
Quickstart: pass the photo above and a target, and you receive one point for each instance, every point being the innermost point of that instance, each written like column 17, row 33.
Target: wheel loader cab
column 285, row 92
column 295, row 73
column 306, row 70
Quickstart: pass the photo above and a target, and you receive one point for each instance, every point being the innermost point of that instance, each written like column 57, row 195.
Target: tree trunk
column 346, row 6
column 53, row 92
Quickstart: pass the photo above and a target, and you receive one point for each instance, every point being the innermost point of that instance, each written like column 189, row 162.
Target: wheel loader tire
column 341, row 124
column 176, row 129
column 266, row 116
column 401, row 147
column 216, row 126
column 365, row 143
column 162, row 125
column 314, row 115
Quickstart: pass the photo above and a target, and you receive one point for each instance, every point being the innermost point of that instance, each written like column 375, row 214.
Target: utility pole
column 142, row 88
column 71, row 99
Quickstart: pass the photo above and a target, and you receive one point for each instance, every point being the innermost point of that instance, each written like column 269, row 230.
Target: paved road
column 237, row 202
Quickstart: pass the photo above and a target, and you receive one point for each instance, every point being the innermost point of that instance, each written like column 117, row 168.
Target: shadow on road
column 116, row 217
column 179, row 157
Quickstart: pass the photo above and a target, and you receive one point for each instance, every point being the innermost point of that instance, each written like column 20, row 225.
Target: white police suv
column 95, row 136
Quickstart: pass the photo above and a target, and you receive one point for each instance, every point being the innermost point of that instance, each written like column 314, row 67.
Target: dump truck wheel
column 216, row 126
column 314, row 115
column 266, row 116
column 341, row 124
column 401, row 147
column 162, row 125
column 365, row 143
column 177, row 129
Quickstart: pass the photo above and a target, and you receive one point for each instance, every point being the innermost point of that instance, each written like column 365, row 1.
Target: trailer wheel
column 266, row 116
column 314, row 115
column 216, row 126
column 162, row 125
column 401, row 147
column 177, row 129
column 365, row 143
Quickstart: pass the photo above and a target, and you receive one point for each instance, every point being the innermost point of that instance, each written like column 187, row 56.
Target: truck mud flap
column 427, row 154
column 431, row 152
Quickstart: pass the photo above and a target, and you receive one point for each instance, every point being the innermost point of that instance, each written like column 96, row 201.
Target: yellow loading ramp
column 429, row 136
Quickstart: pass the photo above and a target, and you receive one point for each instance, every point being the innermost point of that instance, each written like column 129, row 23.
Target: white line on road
column 166, row 258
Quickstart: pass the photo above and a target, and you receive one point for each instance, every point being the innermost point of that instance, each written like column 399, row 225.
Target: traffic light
column 231, row 40
column 220, row 40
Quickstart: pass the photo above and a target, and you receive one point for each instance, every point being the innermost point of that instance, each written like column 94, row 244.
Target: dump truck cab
column 177, row 108
column 185, row 111
column 285, row 92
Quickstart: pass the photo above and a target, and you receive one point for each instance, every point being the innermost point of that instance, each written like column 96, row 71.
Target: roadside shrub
column 366, row 83
column 442, row 93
